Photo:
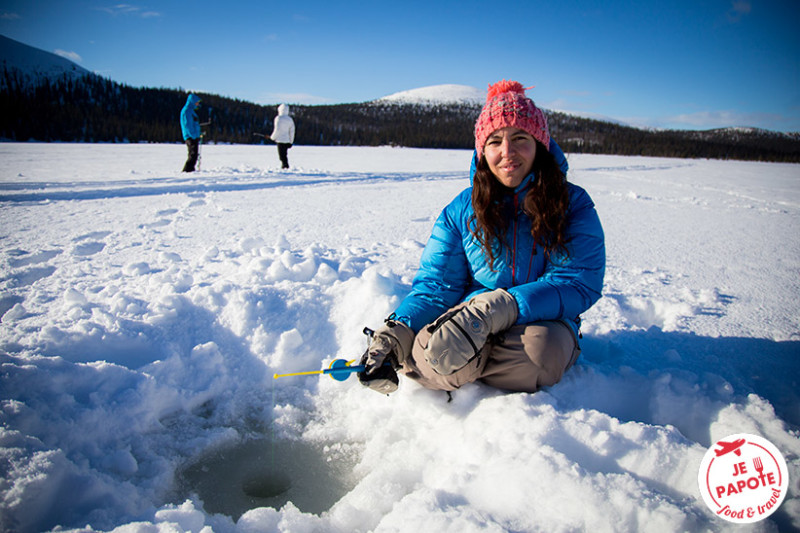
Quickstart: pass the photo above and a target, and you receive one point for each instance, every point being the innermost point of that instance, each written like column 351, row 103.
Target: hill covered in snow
column 438, row 95
column 34, row 64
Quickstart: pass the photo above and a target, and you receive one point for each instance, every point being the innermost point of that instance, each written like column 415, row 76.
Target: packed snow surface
column 145, row 311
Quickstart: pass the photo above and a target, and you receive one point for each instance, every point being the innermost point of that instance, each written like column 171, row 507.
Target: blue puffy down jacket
column 454, row 268
column 190, row 125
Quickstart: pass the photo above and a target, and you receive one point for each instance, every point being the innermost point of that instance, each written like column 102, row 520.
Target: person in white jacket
column 283, row 134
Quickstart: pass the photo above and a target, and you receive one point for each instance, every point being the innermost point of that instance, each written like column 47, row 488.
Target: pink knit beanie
column 506, row 105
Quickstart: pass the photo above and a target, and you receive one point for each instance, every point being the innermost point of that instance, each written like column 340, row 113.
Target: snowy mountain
column 449, row 94
column 34, row 64
column 438, row 94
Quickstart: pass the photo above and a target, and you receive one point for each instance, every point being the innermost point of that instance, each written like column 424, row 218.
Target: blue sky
column 675, row 64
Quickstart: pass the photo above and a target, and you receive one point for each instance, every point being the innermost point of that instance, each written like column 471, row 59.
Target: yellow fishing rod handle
column 309, row 373
column 337, row 367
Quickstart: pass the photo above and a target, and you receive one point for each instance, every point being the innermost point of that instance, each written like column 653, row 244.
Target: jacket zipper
column 514, row 243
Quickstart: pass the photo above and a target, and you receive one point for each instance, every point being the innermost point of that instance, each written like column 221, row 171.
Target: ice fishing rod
column 339, row 369
column 200, row 140
column 209, row 118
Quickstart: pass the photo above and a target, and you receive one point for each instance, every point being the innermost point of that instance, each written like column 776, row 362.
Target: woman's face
column 509, row 153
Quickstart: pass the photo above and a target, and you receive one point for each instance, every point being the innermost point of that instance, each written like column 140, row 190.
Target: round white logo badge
column 743, row 478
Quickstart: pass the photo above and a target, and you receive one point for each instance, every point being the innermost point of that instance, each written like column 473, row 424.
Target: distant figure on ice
column 283, row 134
column 190, row 125
column 511, row 264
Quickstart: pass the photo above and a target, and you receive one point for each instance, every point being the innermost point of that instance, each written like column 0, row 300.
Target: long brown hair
column 546, row 202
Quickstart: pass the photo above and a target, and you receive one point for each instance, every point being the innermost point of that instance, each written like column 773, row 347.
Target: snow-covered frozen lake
column 145, row 311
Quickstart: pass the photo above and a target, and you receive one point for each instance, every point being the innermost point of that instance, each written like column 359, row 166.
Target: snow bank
column 144, row 312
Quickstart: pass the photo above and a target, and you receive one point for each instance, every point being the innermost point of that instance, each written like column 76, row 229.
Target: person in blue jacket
column 190, row 126
column 510, row 265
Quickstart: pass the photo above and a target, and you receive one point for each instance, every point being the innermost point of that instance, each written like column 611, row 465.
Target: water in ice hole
column 266, row 473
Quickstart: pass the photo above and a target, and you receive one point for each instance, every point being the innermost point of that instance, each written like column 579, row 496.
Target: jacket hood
column 283, row 109
column 192, row 99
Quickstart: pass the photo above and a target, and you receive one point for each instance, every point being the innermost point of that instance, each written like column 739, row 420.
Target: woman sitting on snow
column 510, row 265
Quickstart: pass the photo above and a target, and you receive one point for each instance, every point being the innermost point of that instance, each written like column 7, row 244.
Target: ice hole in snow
column 265, row 473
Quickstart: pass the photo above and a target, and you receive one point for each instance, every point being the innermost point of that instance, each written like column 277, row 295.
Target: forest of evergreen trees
column 95, row 109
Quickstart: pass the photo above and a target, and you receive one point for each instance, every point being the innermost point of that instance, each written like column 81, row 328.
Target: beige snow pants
column 523, row 358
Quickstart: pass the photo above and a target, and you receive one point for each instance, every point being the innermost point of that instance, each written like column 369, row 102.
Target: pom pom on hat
column 505, row 86
column 506, row 105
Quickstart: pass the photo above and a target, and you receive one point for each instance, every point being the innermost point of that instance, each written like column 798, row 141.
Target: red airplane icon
column 727, row 447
